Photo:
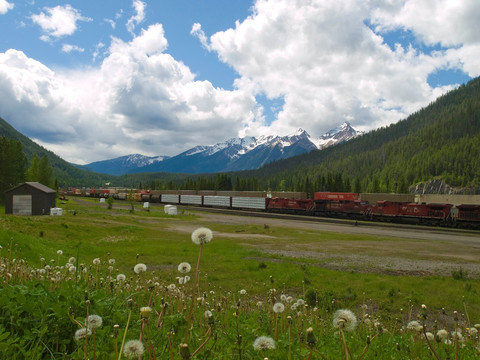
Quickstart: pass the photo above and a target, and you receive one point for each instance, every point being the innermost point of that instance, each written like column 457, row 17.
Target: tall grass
column 48, row 297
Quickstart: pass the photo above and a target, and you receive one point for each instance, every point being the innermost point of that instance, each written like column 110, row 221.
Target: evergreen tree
column 12, row 164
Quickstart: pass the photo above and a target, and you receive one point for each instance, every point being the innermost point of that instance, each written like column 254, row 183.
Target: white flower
column 202, row 236
column 171, row 287
column 344, row 319
column 80, row 334
column 72, row 260
column 121, row 277
column 184, row 267
column 96, row 261
column 262, row 343
column 140, row 268
column 414, row 326
column 243, row 292
column 430, row 336
column 442, row 334
column 207, row 314
column 94, row 321
column 133, row 349
column 278, row 307
column 111, row 261
column 59, row 252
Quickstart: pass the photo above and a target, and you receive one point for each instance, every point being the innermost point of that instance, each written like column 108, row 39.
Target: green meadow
column 56, row 271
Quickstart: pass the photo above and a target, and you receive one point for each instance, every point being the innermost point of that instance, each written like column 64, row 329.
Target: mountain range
column 235, row 154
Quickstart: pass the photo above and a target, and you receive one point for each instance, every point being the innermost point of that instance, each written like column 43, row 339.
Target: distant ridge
column 235, row 154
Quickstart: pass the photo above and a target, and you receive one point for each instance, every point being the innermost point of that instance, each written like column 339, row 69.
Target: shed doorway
column 22, row 204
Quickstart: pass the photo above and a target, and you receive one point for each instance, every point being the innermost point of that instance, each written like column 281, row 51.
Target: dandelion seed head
column 133, row 349
column 243, row 292
column 414, row 326
column 94, row 321
column 140, row 268
column 345, row 320
column 202, row 236
column 430, row 336
column 72, row 260
column 80, row 334
column 96, row 261
column 207, row 314
column 278, row 307
column 263, row 343
column 59, row 252
column 184, row 267
column 111, row 261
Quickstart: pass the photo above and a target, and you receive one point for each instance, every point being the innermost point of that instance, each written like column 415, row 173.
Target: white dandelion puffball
column 263, row 343
column 59, row 252
column 278, row 307
column 243, row 292
column 442, row 334
column 121, row 277
column 96, row 261
column 140, row 268
column 414, row 326
column 71, row 260
column 202, row 236
column 111, row 261
column 94, row 321
column 133, row 349
column 345, row 320
column 184, row 267
column 80, row 334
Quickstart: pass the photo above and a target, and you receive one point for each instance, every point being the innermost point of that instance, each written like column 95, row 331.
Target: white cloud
column 320, row 57
column 198, row 33
column 328, row 65
column 139, row 100
column 58, row 21
column 5, row 6
column 139, row 16
column 68, row 48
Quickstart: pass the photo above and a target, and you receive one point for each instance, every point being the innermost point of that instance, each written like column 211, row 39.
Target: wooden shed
column 29, row 198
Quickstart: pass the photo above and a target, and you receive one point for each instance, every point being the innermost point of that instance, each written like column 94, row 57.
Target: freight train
column 324, row 204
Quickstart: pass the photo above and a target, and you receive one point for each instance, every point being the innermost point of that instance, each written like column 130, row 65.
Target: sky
column 94, row 80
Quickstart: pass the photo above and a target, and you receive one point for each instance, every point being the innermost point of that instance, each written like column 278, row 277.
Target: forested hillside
column 439, row 141
column 65, row 173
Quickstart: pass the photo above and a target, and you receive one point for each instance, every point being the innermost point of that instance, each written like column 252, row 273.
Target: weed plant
column 117, row 307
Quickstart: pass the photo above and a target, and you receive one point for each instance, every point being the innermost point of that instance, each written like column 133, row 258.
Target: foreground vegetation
column 111, row 284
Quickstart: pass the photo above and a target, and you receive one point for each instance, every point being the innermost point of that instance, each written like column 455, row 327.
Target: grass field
column 244, row 260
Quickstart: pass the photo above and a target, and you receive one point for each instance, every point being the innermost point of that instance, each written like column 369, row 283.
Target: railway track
column 326, row 220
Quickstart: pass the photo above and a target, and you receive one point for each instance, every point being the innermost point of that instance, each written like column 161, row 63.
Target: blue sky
column 96, row 80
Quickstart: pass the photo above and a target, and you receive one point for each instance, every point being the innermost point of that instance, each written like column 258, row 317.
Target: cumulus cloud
column 325, row 62
column 139, row 7
column 328, row 65
column 139, row 100
column 58, row 21
column 5, row 6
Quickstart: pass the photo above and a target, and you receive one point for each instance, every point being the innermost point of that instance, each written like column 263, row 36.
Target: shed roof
column 35, row 185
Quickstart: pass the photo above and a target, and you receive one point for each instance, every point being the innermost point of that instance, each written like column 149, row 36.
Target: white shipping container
column 56, row 211
column 191, row 199
column 249, row 203
column 216, row 201
column 169, row 198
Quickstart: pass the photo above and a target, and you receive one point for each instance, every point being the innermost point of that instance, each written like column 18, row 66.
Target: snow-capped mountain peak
column 231, row 155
